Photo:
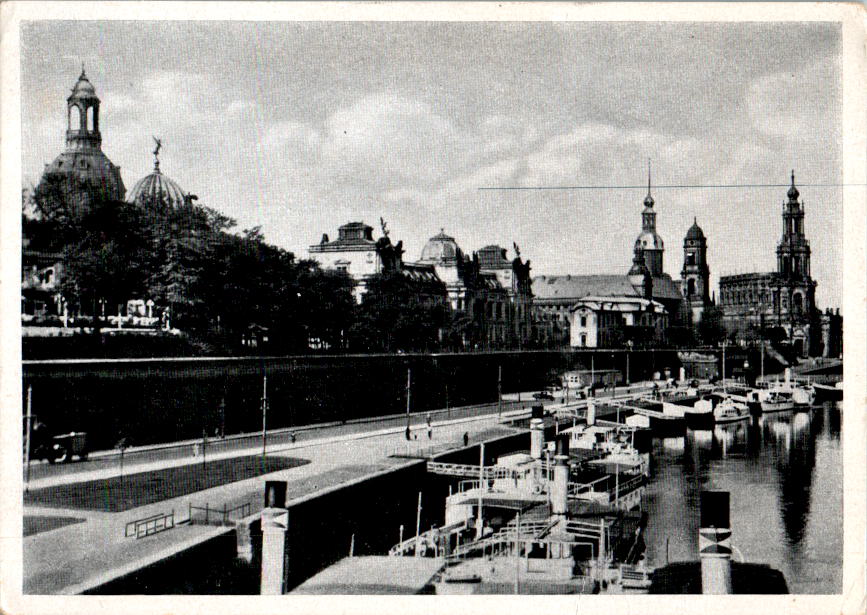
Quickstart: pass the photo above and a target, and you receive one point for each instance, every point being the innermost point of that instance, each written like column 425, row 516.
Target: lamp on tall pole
column 264, row 418
column 628, row 352
column 499, row 390
column 408, row 394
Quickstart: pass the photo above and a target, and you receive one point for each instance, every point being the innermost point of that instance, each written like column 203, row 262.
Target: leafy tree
column 107, row 257
column 710, row 330
column 326, row 307
column 398, row 314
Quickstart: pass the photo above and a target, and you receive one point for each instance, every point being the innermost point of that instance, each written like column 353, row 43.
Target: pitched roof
column 666, row 288
column 574, row 287
column 567, row 288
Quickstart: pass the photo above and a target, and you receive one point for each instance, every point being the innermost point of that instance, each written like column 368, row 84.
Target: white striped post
column 714, row 543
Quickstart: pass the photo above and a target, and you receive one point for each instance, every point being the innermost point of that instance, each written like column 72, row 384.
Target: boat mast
column 481, row 480
column 763, row 359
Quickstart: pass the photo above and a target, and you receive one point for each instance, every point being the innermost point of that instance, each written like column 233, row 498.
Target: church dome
column 156, row 188
column 649, row 240
column 83, row 88
column 695, row 231
column 440, row 249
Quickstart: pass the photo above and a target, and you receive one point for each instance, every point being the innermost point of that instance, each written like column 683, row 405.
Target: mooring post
column 714, row 543
column 275, row 522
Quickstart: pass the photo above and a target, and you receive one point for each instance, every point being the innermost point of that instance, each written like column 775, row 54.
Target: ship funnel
column 714, row 543
column 537, row 432
column 560, row 486
column 591, row 411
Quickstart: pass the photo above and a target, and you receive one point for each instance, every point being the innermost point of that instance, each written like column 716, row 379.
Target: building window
column 797, row 303
column 583, row 321
column 583, row 339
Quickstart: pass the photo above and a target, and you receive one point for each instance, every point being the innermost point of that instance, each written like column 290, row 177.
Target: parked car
column 543, row 395
column 59, row 448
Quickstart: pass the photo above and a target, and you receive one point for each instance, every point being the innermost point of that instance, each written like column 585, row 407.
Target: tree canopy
column 211, row 283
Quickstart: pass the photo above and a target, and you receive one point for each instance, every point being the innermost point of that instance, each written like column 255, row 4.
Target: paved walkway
column 77, row 557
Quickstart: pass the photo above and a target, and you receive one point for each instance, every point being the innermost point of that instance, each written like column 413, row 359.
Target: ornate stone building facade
column 608, row 322
column 354, row 252
column 489, row 295
column 783, row 298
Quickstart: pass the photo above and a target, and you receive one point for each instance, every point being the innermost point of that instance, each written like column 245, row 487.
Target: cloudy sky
column 301, row 127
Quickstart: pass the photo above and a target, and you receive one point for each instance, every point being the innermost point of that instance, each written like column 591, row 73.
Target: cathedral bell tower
column 649, row 243
column 793, row 251
column 695, row 275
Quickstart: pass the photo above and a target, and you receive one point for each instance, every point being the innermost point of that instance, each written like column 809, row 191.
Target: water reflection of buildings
column 794, row 444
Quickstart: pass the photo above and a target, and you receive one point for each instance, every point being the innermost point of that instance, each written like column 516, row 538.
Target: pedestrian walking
column 429, row 432
column 407, row 433
column 466, row 438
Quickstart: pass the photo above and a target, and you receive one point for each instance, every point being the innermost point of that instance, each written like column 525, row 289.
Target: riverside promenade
column 79, row 513
column 80, row 518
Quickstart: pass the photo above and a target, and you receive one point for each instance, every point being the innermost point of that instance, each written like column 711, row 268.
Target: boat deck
column 374, row 574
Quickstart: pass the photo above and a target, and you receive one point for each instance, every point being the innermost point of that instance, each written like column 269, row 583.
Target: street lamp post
column 499, row 390
column 264, row 418
column 27, row 438
column 628, row 352
column 408, row 395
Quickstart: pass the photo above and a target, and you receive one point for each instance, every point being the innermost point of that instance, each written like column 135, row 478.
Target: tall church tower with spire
column 784, row 298
column 649, row 242
column 793, row 251
column 82, row 173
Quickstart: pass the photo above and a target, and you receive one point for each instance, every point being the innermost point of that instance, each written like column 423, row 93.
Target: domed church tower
column 158, row 190
column 695, row 275
column 82, row 174
column 649, row 242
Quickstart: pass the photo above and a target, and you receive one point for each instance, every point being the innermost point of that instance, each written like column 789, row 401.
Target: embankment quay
column 144, row 523
column 154, row 401
column 80, row 518
column 108, row 522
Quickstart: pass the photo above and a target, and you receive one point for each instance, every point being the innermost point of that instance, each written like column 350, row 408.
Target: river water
column 785, row 475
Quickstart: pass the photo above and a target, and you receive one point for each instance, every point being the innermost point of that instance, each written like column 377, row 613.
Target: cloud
column 792, row 105
column 390, row 142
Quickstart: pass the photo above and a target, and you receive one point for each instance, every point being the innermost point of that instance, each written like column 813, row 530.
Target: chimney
column 559, row 488
column 714, row 543
column 591, row 411
column 537, row 432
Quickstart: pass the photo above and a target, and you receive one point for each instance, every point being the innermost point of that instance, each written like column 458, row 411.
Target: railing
column 471, row 471
column 224, row 515
column 150, row 525
column 433, row 536
column 573, row 490
column 634, row 578
column 625, row 487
